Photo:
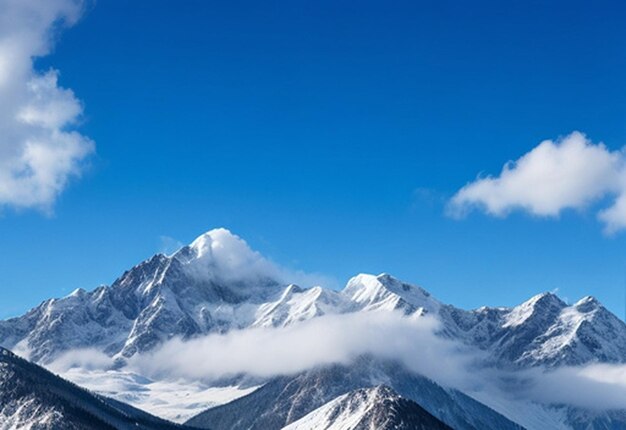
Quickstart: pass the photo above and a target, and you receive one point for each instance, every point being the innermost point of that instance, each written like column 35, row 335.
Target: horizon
column 307, row 280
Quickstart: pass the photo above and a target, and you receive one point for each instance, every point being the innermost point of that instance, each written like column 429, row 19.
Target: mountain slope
column 31, row 397
column 212, row 285
column 542, row 331
column 369, row 408
column 284, row 400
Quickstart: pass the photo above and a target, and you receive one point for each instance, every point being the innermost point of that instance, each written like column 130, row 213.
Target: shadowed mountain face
column 369, row 408
column 285, row 400
column 31, row 397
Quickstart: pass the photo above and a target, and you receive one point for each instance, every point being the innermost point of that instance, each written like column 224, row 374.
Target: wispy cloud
column 168, row 245
column 320, row 341
column 228, row 257
column 569, row 173
column 40, row 150
column 594, row 386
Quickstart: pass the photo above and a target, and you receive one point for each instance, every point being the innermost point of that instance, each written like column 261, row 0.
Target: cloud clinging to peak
column 229, row 258
column 568, row 173
column 40, row 150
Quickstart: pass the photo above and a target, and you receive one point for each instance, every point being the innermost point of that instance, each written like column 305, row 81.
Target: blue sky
column 331, row 136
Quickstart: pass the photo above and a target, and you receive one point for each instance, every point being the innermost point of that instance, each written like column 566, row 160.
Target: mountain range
column 369, row 408
column 218, row 285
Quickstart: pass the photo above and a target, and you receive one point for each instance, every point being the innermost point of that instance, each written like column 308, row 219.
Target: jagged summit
column 385, row 292
column 377, row 407
column 545, row 298
column 211, row 285
column 588, row 304
column 543, row 330
column 542, row 305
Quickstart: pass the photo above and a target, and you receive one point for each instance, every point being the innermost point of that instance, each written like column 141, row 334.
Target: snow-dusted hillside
column 369, row 408
column 33, row 398
column 217, row 283
column 284, row 400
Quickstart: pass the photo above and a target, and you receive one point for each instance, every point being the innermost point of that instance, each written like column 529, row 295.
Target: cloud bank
column 229, row 258
column 595, row 386
column 39, row 148
column 569, row 173
column 413, row 341
column 325, row 340
column 267, row 352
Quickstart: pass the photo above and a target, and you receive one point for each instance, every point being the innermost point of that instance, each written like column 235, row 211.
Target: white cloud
column 228, row 257
column 87, row 359
column 614, row 217
column 39, row 150
column 595, row 386
column 328, row 339
column 169, row 245
column 569, row 173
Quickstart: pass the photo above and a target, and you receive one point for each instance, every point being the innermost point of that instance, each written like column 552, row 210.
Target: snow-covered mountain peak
column 587, row 304
column 298, row 304
column 542, row 305
column 547, row 299
column 544, row 330
column 368, row 408
column 78, row 292
column 371, row 292
column 225, row 257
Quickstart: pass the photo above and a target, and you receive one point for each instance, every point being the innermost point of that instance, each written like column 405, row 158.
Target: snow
column 344, row 412
column 174, row 400
column 327, row 418
column 537, row 304
column 296, row 304
column 384, row 292
column 28, row 415
column 364, row 408
column 77, row 292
